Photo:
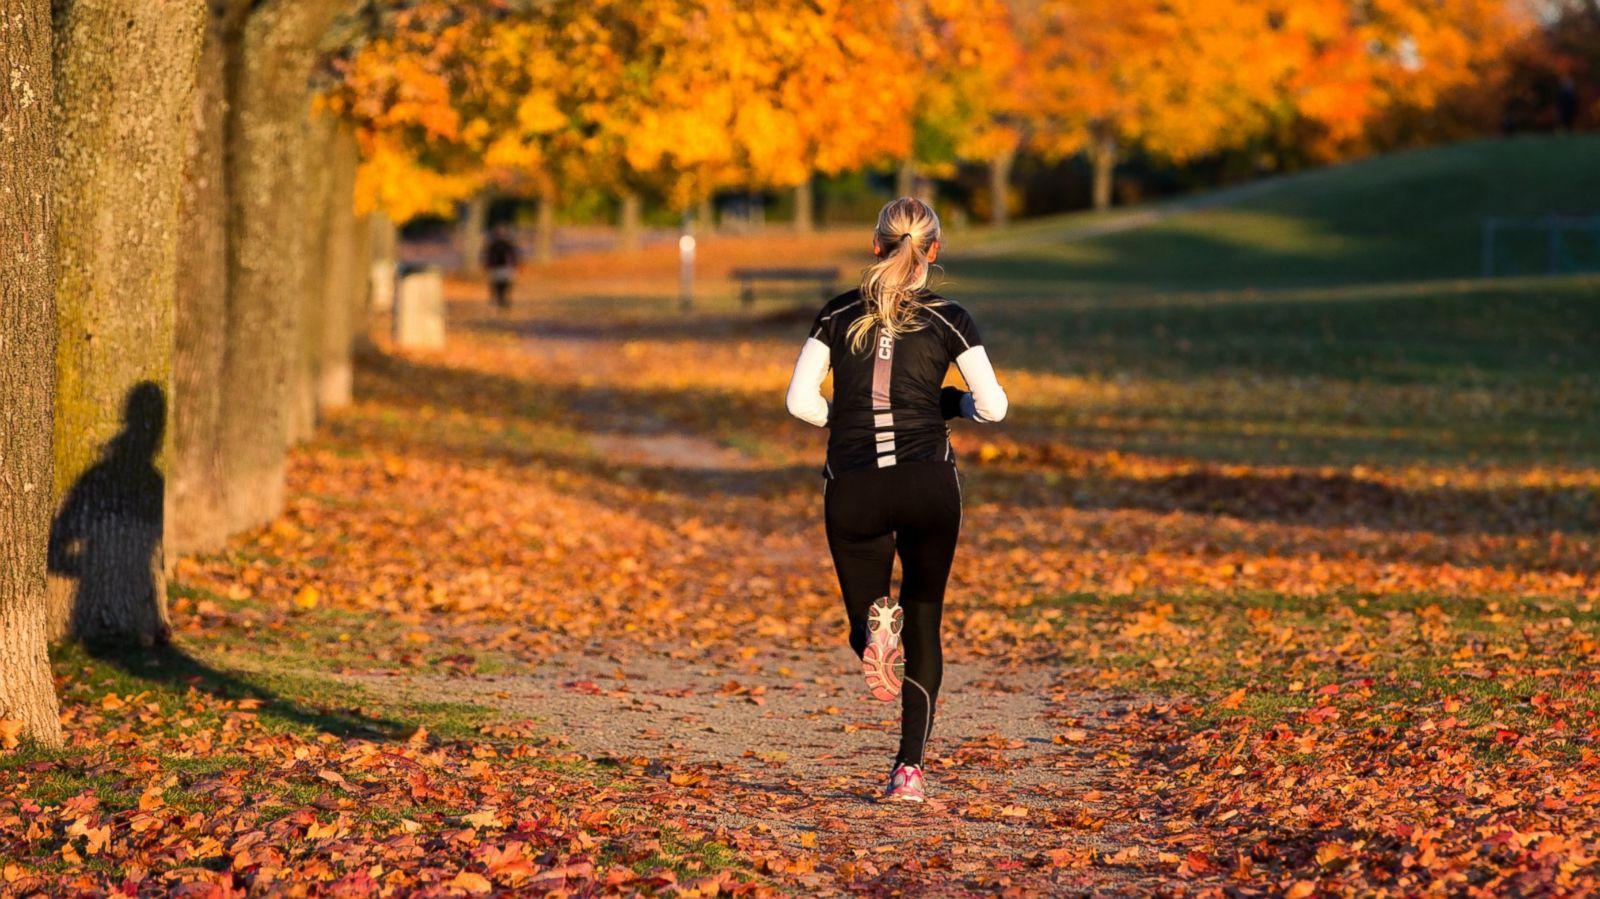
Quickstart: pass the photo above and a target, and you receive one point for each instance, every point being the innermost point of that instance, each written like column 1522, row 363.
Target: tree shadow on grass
column 168, row 667
column 1320, row 499
column 1294, row 497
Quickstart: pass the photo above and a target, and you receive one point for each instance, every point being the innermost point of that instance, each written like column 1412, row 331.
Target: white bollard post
column 419, row 311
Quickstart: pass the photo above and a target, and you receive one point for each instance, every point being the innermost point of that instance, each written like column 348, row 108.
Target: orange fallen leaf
column 472, row 883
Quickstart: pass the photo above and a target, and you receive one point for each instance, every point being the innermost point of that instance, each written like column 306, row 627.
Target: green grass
column 1490, row 372
column 1401, row 217
column 1412, row 652
column 274, row 658
column 689, row 858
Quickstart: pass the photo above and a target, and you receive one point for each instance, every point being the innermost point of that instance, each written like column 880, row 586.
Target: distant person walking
column 500, row 259
column 891, row 484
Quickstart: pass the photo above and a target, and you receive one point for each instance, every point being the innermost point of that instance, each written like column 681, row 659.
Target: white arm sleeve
column 805, row 386
column 987, row 400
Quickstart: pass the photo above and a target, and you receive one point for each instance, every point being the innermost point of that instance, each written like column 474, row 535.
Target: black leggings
column 915, row 509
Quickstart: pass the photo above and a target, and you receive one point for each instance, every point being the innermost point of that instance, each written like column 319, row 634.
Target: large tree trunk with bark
column 121, row 138
column 27, row 365
column 268, row 164
column 345, row 270
column 1103, row 156
column 311, row 295
column 805, row 207
column 197, row 519
column 630, row 231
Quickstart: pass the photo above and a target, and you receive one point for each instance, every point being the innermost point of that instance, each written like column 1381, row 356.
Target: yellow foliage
column 679, row 98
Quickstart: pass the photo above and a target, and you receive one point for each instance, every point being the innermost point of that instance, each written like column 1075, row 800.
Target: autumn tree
column 818, row 96
column 450, row 100
column 402, row 90
column 1440, row 67
column 120, row 146
column 962, row 59
column 1358, row 78
column 1560, row 56
column 1313, row 79
column 27, row 365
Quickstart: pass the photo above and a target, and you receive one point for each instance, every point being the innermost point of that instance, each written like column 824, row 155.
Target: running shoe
column 905, row 784
column 883, row 663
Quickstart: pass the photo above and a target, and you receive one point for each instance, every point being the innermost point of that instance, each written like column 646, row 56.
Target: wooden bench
column 826, row 279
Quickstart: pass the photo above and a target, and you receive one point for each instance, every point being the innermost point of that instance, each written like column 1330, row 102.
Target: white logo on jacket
column 885, row 346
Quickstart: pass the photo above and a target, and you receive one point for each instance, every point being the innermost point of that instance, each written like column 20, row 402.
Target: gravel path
column 772, row 742
column 791, row 754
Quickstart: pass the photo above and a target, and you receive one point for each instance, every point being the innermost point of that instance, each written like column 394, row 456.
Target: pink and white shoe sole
column 905, row 785
column 883, row 662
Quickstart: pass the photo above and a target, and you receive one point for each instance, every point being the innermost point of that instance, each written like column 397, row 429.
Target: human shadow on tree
column 106, row 550
column 105, row 542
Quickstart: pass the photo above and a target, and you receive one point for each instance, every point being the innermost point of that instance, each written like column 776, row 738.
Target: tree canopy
column 681, row 98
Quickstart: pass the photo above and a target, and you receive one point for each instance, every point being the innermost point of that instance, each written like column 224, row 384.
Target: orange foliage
column 680, row 98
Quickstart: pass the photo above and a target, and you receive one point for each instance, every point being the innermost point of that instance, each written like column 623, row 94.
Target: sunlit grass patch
column 1496, row 372
column 1269, row 657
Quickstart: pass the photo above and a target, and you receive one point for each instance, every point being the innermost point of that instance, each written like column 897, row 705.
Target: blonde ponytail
column 892, row 287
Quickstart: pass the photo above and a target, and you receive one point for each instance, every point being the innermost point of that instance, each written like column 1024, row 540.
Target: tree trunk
column 27, row 365
column 1000, row 187
column 344, row 272
column 1103, row 155
column 905, row 182
column 120, row 119
column 544, row 246
column 312, row 293
column 805, row 207
column 471, row 225
column 629, row 236
column 196, row 519
column 268, row 162
column 382, row 250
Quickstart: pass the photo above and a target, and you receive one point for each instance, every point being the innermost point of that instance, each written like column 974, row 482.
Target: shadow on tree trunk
column 105, row 545
column 105, row 540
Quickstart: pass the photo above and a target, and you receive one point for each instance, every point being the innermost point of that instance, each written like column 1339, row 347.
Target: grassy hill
column 1406, row 216
column 1333, row 316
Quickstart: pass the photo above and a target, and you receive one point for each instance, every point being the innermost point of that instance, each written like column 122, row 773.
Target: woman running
column 890, row 480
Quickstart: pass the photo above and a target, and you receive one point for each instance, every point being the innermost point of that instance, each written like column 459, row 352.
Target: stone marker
column 419, row 311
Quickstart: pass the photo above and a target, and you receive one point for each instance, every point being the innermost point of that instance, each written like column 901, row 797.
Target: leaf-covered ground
column 1265, row 594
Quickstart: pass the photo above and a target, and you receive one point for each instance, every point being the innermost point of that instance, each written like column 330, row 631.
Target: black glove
column 950, row 402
